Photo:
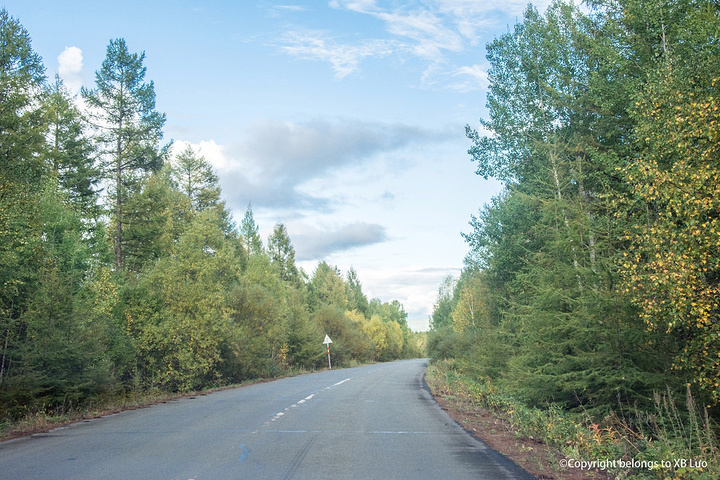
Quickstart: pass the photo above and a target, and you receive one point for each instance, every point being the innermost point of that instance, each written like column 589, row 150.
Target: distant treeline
column 122, row 269
column 593, row 279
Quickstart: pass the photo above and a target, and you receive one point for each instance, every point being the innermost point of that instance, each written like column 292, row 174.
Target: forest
column 121, row 267
column 592, row 282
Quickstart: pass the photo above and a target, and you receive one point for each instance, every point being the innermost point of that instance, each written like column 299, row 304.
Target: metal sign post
column 327, row 342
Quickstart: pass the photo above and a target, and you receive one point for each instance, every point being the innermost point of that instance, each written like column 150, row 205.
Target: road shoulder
column 534, row 457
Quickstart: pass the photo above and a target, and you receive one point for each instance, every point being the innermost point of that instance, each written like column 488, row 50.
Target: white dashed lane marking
column 301, row 402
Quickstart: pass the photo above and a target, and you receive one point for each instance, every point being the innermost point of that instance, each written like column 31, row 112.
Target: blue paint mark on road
column 245, row 452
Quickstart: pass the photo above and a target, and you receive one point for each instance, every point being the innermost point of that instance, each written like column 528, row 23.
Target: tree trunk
column 118, row 220
column 553, row 161
column 2, row 361
column 118, row 187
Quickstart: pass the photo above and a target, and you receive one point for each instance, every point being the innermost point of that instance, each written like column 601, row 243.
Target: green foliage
column 592, row 279
column 356, row 298
column 69, row 152
column 348, row 341
column 52, row 361
column 21, row 186
column 128, row 129
column 301, row 335
column 672, row 268
column 547, row 282
column 196, row 179
column 183, row 340
column 328, row 287
column 249, row 232
column 664, row 433
column 442, row 309
column 153, row 220
column 282, row 255
column 170, row 296
column 378, row 334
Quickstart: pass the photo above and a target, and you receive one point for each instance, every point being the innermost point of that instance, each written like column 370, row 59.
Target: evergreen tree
column 69, row 153
column 60, row 361
column 154, row 220
column 21, row 180
column 548, row 243
column 249, row 231
column 196, row 179
column 672, row 266
column 128, row 128
column 282, row 255
column 356, row 298
column 328, row 286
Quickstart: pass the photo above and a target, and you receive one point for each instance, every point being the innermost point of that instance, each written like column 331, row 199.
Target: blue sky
column 343, row 119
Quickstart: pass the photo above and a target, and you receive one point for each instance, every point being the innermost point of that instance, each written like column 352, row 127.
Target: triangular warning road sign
column 327, row 340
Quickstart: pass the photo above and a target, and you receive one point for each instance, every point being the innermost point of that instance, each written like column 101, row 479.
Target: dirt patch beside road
column 535, row 457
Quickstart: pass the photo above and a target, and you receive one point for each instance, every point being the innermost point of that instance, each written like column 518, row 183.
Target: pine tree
column 249, row 231
column 69, row 153
column 128, row 128
column 21, row 179
column 328, row 286
column 548, row 242
column 196, row 179
column 282, row 255
column 356, row 298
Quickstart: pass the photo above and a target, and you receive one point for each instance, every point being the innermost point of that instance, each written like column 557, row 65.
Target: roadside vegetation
column 675, row 443
column 122, row 272
column 588, row 310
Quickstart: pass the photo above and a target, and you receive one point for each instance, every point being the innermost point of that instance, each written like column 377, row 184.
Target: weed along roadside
column 555, row 444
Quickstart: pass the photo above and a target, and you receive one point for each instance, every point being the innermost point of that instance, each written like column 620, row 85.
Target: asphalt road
column 374, row 422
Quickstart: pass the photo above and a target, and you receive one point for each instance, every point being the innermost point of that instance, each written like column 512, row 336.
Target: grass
column 677, row 444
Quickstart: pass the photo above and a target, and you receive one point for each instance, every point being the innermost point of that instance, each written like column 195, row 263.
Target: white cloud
column 478, row 78
column 344, row 58
column 278, row 11
column 472, row 17
column 271, row 164
column 313, row 243
column 290, row 8
column 70, row 63
column 434, row 30
column 276, row 164
column 426, row 31
column 305, row 149
column 213, row 153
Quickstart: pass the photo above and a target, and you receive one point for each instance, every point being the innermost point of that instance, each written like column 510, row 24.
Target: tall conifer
column 128, row 128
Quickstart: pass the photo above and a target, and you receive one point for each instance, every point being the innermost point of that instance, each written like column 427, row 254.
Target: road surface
column 371, row 422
